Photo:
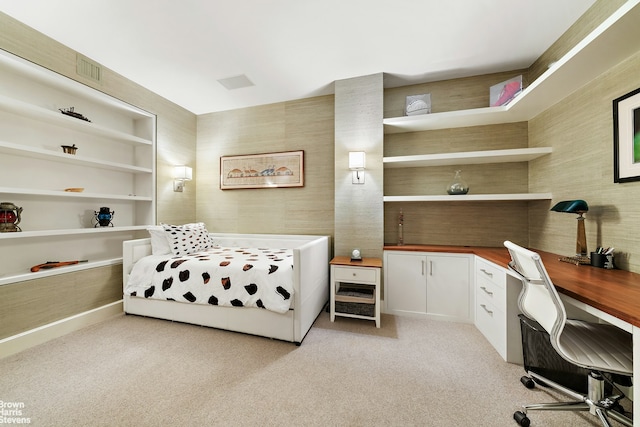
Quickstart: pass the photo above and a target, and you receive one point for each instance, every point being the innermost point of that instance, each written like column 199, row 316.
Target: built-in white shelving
column 466, row 158
column 70, row 232
column 114, row 167
column 470, row 197
column 610, row 43
column 21, row 277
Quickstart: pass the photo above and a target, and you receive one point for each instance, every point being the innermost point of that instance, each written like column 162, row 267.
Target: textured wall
column 358, row 127
column 580, row 130
column 289, row 126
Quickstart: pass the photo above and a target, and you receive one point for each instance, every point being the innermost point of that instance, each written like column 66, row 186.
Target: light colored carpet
column 135, row 371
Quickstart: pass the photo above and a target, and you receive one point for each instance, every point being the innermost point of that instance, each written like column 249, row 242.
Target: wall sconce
column 180, row 175
column 356, row 164
column 578, row 207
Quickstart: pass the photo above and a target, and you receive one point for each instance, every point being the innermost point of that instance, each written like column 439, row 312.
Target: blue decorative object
column 104, row 217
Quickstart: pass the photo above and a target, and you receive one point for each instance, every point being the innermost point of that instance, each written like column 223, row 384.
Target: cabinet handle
column 422, row 267
column 486, row 272
column 430, row 268
column 485, row 289
column 486, row 309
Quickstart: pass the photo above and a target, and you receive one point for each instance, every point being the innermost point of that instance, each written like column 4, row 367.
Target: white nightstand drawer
column 355, row 274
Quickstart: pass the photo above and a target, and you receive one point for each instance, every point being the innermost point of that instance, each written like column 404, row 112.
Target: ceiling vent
column 89, row 69
column 236, row 82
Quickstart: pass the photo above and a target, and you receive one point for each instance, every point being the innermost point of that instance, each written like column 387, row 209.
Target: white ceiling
column 292, row 49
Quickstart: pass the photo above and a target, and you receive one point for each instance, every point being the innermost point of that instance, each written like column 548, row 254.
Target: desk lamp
column 578, row 207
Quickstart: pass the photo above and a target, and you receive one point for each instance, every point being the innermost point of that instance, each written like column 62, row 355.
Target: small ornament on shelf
column 9, row 217
column 458, row 185
column 103, row 217
column 69, row 112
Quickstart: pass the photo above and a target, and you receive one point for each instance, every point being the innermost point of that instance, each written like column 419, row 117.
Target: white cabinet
column 433, row 285
column 496, row 311
column 114, row 165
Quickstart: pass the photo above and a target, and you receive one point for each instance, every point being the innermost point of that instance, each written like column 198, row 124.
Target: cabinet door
column 405, row 284
column 448, row 287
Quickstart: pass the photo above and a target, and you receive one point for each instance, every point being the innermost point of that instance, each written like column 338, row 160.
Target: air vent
column 236, row 82
column 89, row 69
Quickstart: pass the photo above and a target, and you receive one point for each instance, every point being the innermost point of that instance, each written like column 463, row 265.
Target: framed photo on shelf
column 270, row 170
column 626, row 137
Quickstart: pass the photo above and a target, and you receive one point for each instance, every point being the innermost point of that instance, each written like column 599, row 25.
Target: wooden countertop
column 364, row 262
column 616, row 292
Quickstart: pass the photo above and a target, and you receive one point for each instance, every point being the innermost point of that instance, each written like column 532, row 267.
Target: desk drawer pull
column 486, row 309
column 486, row 291
column 486, row 272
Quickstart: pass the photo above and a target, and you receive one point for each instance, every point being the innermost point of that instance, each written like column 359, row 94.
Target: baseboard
column 42, row 334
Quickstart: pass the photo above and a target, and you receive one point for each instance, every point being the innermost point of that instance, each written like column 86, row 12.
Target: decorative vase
column 458, row 185
column 104, row 217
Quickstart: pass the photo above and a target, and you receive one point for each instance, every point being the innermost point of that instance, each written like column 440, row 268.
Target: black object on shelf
column 69, row 112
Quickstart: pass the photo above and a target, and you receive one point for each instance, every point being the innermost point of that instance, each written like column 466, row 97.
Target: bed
column 309, row 257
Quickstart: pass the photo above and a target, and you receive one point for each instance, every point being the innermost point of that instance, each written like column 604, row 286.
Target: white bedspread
column 239, row 277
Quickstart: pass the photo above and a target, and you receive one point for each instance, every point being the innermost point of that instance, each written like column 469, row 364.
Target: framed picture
column 268, row 170
column 626, row 137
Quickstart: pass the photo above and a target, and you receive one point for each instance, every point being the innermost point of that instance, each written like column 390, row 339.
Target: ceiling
column 293, row 49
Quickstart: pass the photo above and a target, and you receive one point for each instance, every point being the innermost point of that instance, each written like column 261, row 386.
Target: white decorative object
column 418, row 104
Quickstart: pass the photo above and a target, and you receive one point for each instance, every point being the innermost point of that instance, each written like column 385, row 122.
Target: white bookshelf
column 114, row 165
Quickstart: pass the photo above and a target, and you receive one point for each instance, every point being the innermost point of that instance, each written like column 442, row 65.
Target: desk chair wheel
column 521, row 418
column 527, row 381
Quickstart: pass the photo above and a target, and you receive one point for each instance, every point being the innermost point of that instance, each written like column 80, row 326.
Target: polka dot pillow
column 187, row 239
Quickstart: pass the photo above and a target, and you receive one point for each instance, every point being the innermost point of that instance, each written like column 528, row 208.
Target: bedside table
column 355, row 288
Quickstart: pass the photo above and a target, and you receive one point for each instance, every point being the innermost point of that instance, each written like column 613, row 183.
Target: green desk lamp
column 578, row 207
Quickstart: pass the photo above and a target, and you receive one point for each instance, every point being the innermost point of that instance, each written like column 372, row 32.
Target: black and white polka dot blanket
column 237, row 277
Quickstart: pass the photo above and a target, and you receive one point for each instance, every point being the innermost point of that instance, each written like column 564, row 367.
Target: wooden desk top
column 365, row 262
column 616, row 292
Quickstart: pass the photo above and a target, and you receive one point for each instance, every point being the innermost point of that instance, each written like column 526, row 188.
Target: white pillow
column 159, row 241
column 188, row 238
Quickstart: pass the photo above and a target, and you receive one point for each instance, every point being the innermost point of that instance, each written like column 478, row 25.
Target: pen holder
column 602, row 260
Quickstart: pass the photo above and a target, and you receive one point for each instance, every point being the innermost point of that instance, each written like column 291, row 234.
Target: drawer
column 491, row 292
column 491, row 323
column 355, row 274
column 490, row 272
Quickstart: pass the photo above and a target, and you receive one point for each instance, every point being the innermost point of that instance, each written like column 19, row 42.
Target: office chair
column 603, row 349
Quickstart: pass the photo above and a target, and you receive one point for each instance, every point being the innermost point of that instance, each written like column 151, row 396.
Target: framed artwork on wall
column 626, row 137
column 269, row 170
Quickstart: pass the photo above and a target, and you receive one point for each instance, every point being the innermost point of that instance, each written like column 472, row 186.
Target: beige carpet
column 135, row 371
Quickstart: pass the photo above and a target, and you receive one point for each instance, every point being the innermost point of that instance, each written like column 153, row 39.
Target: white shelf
column 467, row 158
column 116, row 164
column 610, row 43
column 39, row 153
column 28, row 275
column 62, row 193
column 69, row 232
column 57, row 118
column 470, row 198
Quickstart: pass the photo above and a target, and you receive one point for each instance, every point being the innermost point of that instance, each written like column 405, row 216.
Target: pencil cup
column 602, row 260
